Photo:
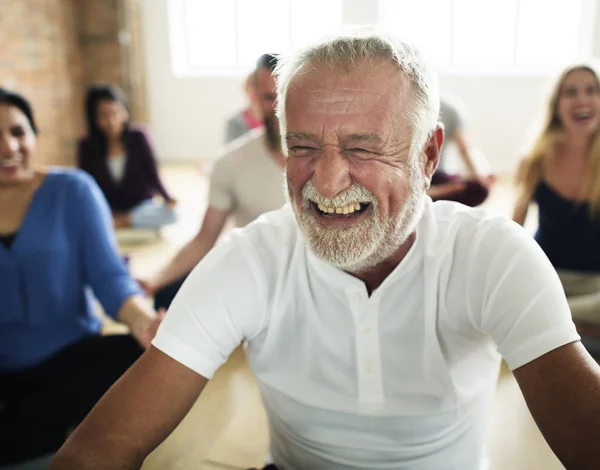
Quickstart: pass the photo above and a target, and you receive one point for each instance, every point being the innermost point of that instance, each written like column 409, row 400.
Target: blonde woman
column 561, row 175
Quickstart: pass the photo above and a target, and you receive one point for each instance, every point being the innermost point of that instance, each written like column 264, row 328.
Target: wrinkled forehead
column 372, row 94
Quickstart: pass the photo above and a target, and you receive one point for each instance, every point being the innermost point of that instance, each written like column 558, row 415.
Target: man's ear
column 432, row 151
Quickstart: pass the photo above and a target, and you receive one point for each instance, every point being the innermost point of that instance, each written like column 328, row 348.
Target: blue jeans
column 152, row 214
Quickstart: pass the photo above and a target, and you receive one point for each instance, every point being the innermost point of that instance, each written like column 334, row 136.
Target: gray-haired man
column 371, row 315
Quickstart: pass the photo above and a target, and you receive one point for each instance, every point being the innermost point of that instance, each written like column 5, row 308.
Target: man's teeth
column 349, row 209
column 583, row 115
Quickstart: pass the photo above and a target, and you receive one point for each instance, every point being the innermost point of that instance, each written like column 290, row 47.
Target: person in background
column 120, row 157
column 471, row 191
column 250, row 117
column 561, row 174
column 57, row 246
column 247, row 181
column 373, row 318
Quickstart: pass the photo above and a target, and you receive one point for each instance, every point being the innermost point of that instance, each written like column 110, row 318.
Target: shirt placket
column 368, row 354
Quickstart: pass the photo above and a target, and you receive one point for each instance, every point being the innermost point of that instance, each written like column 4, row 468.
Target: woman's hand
column 142, row 320
column 145, row 328
column 149, row 287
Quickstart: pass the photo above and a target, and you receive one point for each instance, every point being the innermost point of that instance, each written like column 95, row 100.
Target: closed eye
column 303, row 151
column 17, row 131
column 359, row 151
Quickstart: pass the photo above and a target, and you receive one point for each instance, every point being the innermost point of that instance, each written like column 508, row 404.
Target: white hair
column 348, row 50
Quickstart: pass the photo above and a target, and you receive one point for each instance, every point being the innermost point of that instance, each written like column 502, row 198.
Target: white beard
column 368, row 242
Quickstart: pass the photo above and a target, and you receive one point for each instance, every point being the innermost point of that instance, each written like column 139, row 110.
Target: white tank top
column 116, row 167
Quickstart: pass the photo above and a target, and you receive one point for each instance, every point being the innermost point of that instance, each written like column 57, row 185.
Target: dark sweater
column 140, row 179
column 567, row 233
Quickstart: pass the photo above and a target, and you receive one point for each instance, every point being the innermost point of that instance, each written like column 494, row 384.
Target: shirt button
column 356, row 297
column 369, row 368
column 367, row 330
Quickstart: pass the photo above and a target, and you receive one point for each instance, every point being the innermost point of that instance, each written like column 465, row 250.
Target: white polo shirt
column 398, row 380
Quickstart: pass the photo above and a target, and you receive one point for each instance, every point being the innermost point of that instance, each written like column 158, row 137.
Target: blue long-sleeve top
column 64, row 250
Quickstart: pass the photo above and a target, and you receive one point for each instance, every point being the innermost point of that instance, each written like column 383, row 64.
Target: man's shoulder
column 278, row 224
column 473, row 226
column 273, row 235
column 251, row 143
column 241, row 152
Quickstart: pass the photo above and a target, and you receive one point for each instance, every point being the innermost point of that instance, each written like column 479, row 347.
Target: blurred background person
column 472, row 190
column 561, row 174
column 247, row 181
column 57, row 246
column 250, row 117
column 120, row 157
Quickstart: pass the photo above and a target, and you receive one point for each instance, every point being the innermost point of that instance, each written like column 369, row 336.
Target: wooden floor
column 227, row 427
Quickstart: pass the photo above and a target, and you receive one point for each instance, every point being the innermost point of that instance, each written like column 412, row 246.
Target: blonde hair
column 552, row 134
column 344, row 52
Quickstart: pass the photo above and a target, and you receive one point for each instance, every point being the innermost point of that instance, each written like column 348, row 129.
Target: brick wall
column 99, row 29
column 41, row 58
column 50, row 50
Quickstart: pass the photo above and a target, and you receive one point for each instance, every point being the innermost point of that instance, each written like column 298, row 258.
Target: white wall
column 187, row 115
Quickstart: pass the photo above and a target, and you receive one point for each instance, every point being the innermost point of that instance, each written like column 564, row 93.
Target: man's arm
column 464, row 149
column 562, row 390
column 193, row 252
column 465, row 152
column 134, row 417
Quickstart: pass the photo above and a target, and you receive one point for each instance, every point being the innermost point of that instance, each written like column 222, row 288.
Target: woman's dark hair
column 13, row 99
column 95, row 95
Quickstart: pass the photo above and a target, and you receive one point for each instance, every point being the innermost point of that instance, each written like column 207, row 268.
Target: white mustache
column 353, row 194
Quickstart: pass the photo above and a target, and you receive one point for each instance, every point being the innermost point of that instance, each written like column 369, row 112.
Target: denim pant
column 152, row 214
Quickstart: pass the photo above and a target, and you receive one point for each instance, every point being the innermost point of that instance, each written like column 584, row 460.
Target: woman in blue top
column 562, row 175
column 56, row 248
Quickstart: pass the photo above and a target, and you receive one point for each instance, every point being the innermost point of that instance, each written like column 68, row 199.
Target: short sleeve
column 515, row 294
column 221, row 304
column 221, row 195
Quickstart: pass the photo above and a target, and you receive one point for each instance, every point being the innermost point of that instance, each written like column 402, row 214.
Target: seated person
column 373, row 318
column 57, row 246
column 119, row 156
column 247, row 181
column 470, row 191
column 561, row 175
column 250, row 117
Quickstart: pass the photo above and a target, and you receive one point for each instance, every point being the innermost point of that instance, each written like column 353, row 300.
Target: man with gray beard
column 374, row 319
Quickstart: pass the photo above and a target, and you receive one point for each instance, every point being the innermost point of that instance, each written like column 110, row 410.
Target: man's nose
column 331, row 174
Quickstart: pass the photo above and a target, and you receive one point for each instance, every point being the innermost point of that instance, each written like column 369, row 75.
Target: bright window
column 494, row 34
column 227, row 36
